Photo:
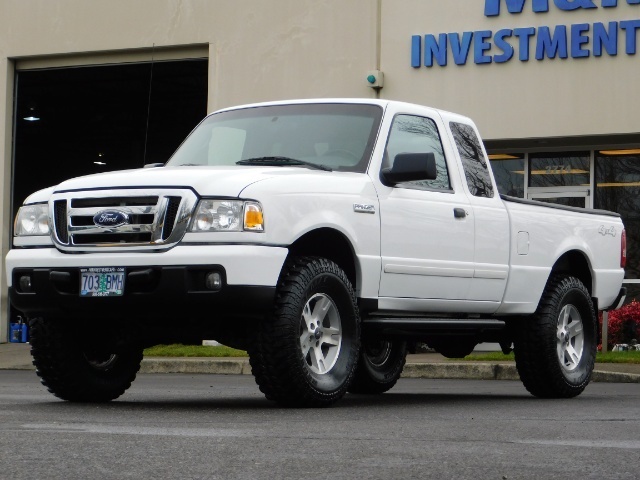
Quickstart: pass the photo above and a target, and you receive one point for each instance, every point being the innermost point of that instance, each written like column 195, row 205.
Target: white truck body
column 408, row 252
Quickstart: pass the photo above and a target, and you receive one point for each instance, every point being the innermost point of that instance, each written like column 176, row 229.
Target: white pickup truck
column 326, row 237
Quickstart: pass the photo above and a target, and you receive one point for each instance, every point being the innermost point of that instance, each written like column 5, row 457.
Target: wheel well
column 574, row 263
column 331, row 244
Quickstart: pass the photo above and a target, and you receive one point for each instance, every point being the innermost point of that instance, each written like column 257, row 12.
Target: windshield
column 333, row 136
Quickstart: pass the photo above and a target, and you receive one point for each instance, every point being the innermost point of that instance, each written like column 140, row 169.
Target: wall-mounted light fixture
column 100, row 162
column 632, row 151
column 503, row 156
column 31, row 116
column 375, row 79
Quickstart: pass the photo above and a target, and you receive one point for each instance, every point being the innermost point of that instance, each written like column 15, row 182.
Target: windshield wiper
column 280, row 161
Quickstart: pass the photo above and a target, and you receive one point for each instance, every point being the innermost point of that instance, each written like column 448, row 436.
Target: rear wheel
column 305, row 353
column 96, row 367
column 555, row 349
column 379, row 367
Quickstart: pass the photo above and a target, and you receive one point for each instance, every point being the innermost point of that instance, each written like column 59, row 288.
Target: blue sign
column 561, row 41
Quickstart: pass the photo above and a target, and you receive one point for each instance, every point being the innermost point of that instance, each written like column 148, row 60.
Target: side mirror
column 409, row 167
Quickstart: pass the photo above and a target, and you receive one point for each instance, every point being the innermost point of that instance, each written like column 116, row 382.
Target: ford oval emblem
column 110, row 218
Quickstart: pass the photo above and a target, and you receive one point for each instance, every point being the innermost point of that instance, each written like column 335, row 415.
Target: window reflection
column 578, row 202
column 474, row 164
column 508, row 170
column 618, row 190
column 412, row 134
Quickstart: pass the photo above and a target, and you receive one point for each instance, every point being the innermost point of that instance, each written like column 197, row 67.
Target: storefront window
column 566, row 169
column 508, row 169
column 566, row 201
column 618, row 189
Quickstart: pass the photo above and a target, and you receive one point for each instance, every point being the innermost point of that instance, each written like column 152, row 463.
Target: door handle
column 459, row 212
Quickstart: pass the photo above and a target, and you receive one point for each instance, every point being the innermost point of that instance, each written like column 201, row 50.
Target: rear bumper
column 617, row 303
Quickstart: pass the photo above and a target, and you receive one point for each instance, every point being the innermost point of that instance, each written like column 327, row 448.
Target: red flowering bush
column 624, row 324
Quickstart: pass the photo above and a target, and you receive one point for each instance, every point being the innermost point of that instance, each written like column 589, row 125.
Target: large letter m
column 492, row 7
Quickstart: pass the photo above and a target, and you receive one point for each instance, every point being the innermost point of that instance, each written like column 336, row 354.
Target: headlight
column 228, row 216
column 32, row 220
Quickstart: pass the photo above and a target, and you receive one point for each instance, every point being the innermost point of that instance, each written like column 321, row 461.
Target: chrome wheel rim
column 100, row 361
column 570, row 338
column 321, row 336
column 378, row 352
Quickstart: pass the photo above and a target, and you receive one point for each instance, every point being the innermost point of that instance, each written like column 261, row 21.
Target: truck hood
column 219, row 181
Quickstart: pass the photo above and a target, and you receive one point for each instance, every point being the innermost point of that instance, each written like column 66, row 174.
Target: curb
column 462, row 371
column 234, row 366
column 614, row 377
column 455, row 371
column 439, row 371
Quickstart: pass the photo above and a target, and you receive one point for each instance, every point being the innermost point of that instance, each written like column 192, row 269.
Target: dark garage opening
column 85, row 120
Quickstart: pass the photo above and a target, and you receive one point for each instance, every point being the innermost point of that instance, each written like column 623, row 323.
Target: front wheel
column 379, row 367
column 83, row 366
column 305, row 353
column 555, row 349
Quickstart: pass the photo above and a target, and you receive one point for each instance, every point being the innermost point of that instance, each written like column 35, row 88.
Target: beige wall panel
column 549, row 98
column 263, row 50
column 295, row 49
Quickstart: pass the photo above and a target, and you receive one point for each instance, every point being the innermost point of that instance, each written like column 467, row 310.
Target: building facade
column 550, row 83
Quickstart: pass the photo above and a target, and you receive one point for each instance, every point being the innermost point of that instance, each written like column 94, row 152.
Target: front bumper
column 158, row 286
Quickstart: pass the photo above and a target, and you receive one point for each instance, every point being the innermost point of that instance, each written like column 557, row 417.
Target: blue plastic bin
column 19, row 333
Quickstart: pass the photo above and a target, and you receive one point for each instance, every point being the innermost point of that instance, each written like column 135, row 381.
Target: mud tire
column 285, row 368
column 96, row 368
column 555, row 349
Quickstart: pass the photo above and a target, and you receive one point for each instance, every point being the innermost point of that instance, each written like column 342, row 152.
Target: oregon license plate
column 101, row 281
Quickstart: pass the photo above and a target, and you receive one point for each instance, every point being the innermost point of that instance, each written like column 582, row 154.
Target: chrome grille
column 157, row 220
column 60, row 219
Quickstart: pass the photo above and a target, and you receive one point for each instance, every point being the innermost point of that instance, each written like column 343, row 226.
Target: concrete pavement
column 16, row 356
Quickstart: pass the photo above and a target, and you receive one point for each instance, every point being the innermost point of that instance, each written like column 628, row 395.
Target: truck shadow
column 401, row 401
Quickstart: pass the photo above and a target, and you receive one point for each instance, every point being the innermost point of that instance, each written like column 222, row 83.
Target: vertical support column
column 7, row 72
column 605, row 330
column 378, row 41
column 213, row 102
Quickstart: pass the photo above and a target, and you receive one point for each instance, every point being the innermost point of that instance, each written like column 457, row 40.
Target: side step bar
column 411, row 326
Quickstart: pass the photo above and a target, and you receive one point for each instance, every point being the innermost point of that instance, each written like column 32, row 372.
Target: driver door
column 427, row 236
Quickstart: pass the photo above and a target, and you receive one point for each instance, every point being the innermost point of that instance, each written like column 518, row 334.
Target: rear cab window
column 474, row 163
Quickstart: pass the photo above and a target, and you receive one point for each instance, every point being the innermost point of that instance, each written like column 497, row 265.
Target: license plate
column 101, row 281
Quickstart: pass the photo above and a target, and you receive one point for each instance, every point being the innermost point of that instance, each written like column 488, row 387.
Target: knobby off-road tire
column 379, row 366
column 305, row 352
column 555, row 349
column 94, row 369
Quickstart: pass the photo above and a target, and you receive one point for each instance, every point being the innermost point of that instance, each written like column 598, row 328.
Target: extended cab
column 326, row 237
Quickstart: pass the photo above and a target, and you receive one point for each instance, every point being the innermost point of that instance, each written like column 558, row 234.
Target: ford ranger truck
column 325, row 237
